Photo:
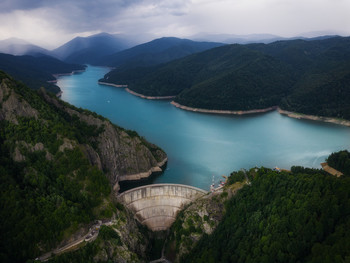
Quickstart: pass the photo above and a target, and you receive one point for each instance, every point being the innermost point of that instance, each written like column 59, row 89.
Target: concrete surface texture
column 157, row 205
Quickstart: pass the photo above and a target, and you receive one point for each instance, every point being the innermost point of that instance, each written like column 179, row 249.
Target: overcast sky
column 50, row 23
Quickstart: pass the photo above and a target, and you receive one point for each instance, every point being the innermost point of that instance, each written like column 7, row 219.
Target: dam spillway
column 157, row 205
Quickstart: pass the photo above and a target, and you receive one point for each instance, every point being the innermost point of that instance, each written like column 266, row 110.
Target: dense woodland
column 302, row 216
column 311, row 77
column 340, row 161
column 48, row 195
column 35, row 72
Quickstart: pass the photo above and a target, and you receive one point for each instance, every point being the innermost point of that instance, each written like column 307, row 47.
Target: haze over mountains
column 88, row 49
column 82, row 49
column 209, row 75
column 15, row 46
column 155, row 52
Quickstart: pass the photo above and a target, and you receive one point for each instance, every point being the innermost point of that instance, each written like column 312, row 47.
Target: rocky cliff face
column 130, row 244
column 121, row 154
column 12, row 105
column 199, row 218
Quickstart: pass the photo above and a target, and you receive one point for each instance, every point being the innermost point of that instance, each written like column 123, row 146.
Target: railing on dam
column 157, row 205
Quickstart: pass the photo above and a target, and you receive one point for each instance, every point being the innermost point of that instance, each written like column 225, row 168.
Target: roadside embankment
column 331, row 170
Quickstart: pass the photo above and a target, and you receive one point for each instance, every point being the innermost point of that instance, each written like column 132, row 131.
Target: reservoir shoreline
column 296, row 115
column 226, row 112
column 143, row 175
column 137, row 94
column 290, row 114
column 199, row 146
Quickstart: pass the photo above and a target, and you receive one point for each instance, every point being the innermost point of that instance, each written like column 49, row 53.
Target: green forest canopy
column 310, row 77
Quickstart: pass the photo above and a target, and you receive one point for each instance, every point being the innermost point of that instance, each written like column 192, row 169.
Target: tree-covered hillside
column 310, row 77
column 35, row 72
column 56, row 172
column 155, row 52
column 90, row 49
column 340, row 161
column 302, row 216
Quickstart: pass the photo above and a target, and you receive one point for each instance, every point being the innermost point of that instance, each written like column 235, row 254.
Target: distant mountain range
column 78, row 50
column 311, row 77
column 90, row 49
column 112, row 50
column 257, row 38
column 15, row 46
column 156, row 52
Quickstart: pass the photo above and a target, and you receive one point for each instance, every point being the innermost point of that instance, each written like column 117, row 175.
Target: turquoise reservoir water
column 202, row 145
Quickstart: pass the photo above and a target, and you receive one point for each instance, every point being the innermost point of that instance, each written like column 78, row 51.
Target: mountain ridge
column 289, row 74
column 157, row 51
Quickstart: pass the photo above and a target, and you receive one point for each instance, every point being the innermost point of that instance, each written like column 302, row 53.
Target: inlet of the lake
column 202, row 145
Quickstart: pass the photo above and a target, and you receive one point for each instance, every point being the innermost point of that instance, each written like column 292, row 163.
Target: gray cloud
column 56, row 21
column 11, row 5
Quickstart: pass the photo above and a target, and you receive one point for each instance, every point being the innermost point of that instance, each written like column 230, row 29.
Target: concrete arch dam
column 157, row 205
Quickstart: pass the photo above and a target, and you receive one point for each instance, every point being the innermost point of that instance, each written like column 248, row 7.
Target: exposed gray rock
column 92, row 156
column 201, row 216
column 67, row 144
column 13, row 105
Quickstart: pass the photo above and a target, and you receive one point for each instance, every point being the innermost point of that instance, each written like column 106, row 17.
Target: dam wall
column 157, row 205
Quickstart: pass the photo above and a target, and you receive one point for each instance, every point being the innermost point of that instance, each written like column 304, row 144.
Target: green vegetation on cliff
column 56, row 174
column 302, row 216
column 340, row 161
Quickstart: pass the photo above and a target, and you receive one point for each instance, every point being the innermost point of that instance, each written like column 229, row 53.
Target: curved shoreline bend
column 313, row 117
column 59, row 94
column 227, row 112
column 290, row 114
column 137, row 94
column 280, row 111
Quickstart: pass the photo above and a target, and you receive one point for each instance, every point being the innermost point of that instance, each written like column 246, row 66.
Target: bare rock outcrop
column 13, row 105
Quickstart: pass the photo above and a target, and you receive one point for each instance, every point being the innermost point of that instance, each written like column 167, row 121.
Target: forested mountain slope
column 301, row 216
column 35, row 72
column 310, row 77
column 156, row 52
column 90, row 49
column 58, row 167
